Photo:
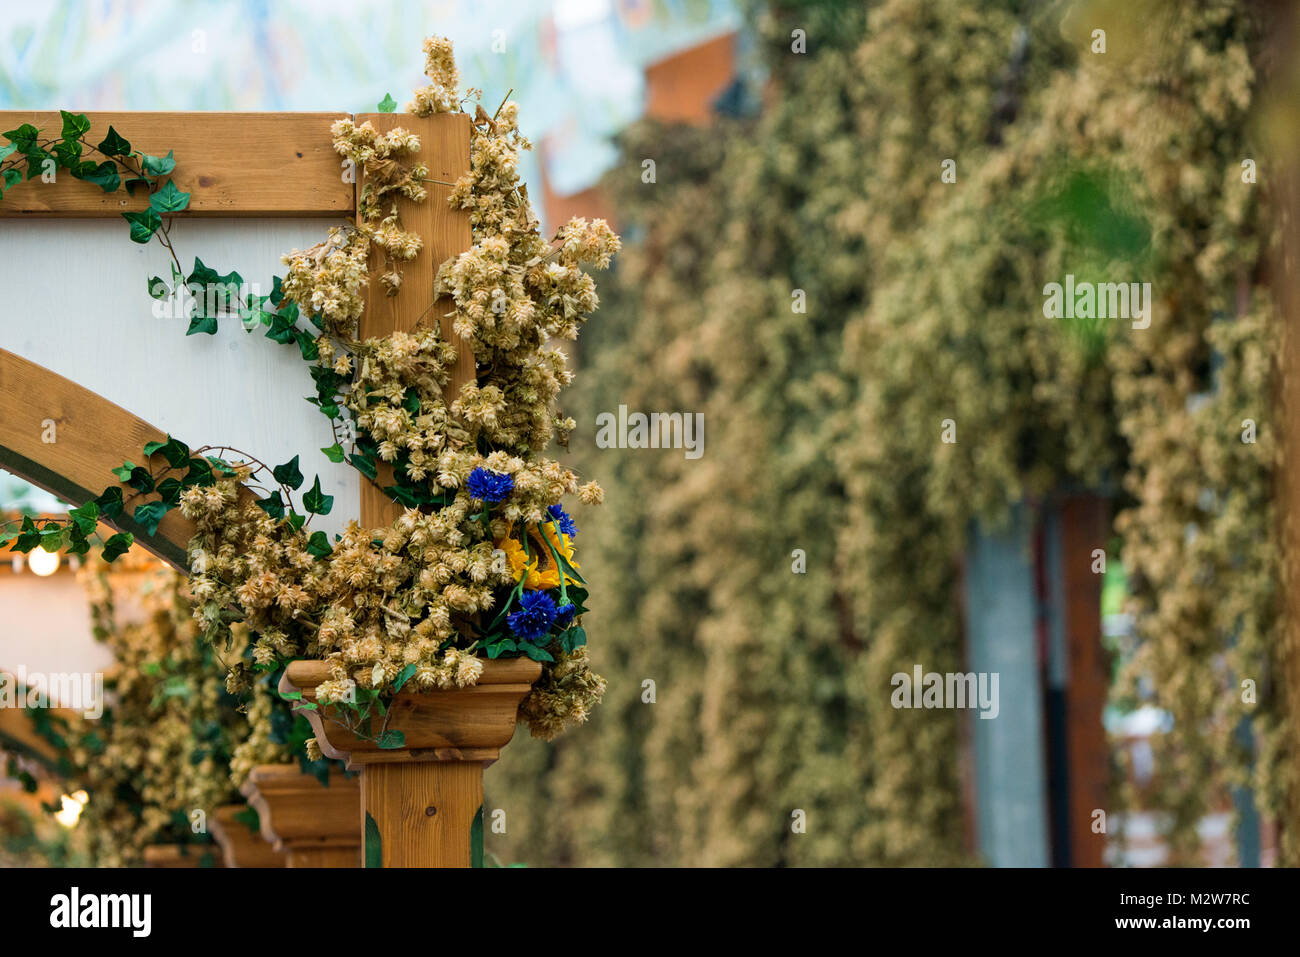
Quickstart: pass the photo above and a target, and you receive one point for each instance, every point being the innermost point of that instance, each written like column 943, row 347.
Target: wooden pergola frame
column 257, row 165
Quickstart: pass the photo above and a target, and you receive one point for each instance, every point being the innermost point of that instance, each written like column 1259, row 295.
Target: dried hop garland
column 481, row 563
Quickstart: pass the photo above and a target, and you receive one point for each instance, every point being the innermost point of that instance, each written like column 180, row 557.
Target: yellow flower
column 542, row 572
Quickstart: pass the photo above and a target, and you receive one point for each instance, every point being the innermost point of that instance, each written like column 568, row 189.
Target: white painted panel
column 84, row 312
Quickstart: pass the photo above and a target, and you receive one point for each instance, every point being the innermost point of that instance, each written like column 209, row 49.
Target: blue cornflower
column 563, row 518
column 564, row 615
column 489, row 486
column 535, row 616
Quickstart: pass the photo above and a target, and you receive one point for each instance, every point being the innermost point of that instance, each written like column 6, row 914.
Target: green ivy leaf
column 207, row 325
column 75, row 125
column 403, row 677
column 86, row 518
column 170, row 489
column 104, row 175
column 200, row 473
column 318, row 545
column 150, row 514
column 387, row 104
column 391, row 740
column 109, row 502
column 365, row 464
column 169, row 199
column 158, row 167
column 476, row 839
column 307, row 345
column 334, row 452
column 24, row 137
column 52, row 537
column 141, row 480
column 68, row 153
column 158, row 289
column 176, row 453
column 117, row 546
column 124, row 472
column 143, row 224
column 29, row 536
column 273, row 505
column 289, row 474
column 537, row 654
column 113, row 144
column 316, row 501
column 373, row 843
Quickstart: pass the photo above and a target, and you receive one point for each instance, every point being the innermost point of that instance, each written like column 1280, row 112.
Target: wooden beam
column 444, row 149
column 231, row 164
column 92, row 437
column 17, row 730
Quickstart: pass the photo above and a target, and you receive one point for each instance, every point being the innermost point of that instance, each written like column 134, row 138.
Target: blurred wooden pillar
column 312, row 824
column 241, row 847
column 1085, row 526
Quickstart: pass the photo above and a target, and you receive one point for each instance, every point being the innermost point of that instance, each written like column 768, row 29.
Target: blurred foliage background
column 924, row 303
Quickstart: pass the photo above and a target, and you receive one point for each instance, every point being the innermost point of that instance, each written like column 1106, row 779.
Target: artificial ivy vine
column 482, row 560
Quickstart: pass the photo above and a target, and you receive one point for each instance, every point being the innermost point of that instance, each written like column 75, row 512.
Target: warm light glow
column 42, row 562
column 71, row 810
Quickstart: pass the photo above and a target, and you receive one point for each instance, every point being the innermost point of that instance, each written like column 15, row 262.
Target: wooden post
column 241, row 847
column 423, row 810
column 444, row 149
column 422, row 798
column 311, row 824
column 1084, row 527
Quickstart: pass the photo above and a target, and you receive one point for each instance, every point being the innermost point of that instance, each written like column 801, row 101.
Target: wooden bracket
column 311, row 824
column 241, row 847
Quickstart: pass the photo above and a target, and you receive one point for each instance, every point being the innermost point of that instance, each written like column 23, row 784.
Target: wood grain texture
column 323, row 855
column 92, row 437
column 424, row 810
column 423, row 797
column 456, row 724
column 231, row 164
column 181, row 855
column 312, row 824
column 241, row 847
column 16, row 728
column 444, row 149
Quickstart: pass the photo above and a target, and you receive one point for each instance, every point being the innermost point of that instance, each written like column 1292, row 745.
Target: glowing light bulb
column 43, row 563
column 70, row 812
